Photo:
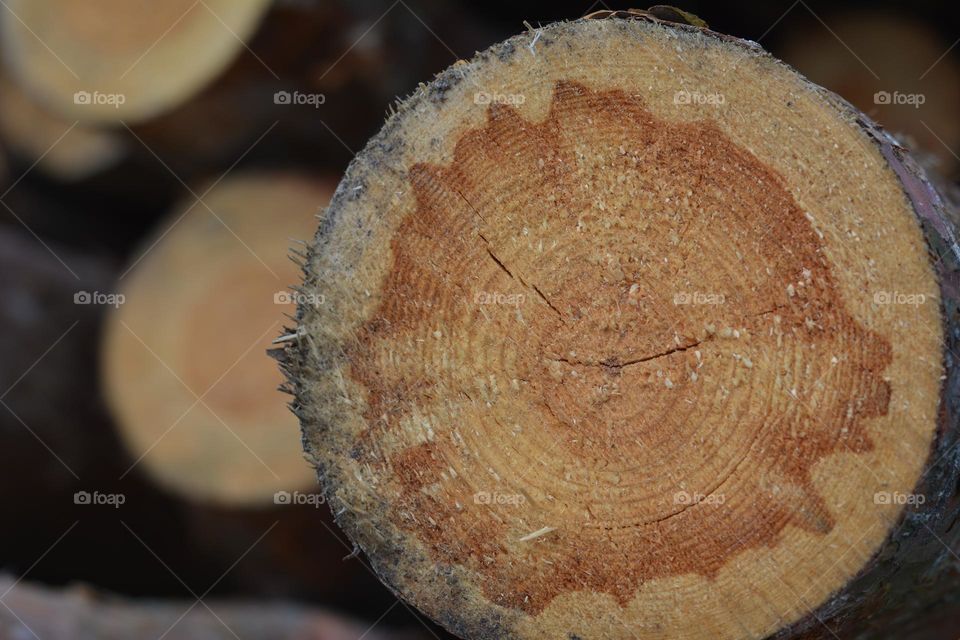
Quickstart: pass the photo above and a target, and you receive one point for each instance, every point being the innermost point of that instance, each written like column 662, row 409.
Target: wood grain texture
column 632, row 332
column 184, row 369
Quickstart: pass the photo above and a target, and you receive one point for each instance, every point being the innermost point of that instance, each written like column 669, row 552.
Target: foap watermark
column 898, row 297
column 698, row 297
column 99, row 298
column 96, row 498
column 895, row 497
column 298, row 497
column 297, row 98
column 495, row 497
column 684, row 97
column 687, row 498
column 298, row 298
column 492, row 97
column 496, row 297
column 912, row 99
column 115, row 100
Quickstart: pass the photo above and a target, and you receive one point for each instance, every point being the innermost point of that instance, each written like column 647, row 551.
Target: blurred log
column 184, row 370
column 79, row 613
column 352, row 54
column 57, row 432
column 65, row 150
column 893, row 67
column 345, row 62
column 108, row 61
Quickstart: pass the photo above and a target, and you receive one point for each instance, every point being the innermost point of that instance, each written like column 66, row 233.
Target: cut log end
column 628, row 326
column 115, row 60
column 185, row 372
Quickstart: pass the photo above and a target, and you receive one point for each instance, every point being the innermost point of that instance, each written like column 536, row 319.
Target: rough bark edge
column 906, row 565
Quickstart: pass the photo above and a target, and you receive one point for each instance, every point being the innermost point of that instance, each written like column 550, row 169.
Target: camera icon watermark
column 115, row 100
column 684, row 97
column 498, row 298
column 295, row 297
column 697, row 297
column 95, row 498
column 895, row 497
column 492, row 97
column 98, row 298
column 298, row 498
column 898, row 297
column 911, row 99
column 495, row 497
column 297, row 98
column 687, row 498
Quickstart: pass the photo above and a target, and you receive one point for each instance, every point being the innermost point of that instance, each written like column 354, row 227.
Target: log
column 113, row 61
column 309, row 51
column 171, row 69
column 183, row 372
column 634, row 332
column 67, row 151
column 80, row 613
column 58, row 439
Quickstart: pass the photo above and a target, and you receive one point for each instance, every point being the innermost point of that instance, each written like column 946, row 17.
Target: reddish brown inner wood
column 614, row 396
